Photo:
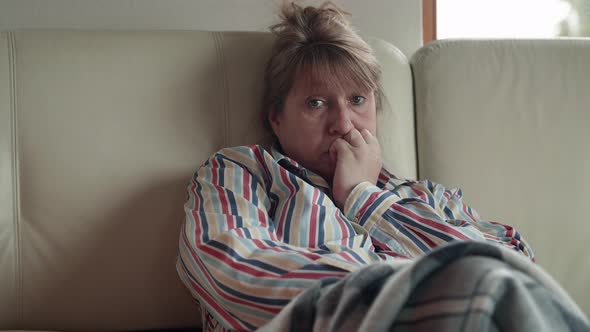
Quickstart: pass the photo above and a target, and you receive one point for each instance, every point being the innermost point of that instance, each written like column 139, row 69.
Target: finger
column 355, row 138
column 338, row 146
column 333, row 156
column 368, row 136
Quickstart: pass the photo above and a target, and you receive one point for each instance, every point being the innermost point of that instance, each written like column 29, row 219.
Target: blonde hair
column 320, row 41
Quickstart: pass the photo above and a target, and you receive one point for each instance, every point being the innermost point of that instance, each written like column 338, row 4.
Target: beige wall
column 397, row 21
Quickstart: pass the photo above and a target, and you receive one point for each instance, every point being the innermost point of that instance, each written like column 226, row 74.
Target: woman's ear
column 273, row 119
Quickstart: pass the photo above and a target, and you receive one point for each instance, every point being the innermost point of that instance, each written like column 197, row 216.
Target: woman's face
column 314, row 115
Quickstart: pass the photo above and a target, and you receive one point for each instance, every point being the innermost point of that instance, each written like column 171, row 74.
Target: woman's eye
column 357, row 100
column 315, row 103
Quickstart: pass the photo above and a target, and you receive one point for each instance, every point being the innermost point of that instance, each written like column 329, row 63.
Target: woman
column 263, row 226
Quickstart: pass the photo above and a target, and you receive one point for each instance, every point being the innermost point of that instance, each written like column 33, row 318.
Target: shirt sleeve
column 230, row 258
column 411, row 218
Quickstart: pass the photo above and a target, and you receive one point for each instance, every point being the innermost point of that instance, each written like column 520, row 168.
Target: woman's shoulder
column 248, row 149
column 254, row 159
column 243, row 153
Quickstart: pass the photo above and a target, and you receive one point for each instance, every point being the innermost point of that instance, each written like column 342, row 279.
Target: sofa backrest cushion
column 100, row 132
column 507, row 120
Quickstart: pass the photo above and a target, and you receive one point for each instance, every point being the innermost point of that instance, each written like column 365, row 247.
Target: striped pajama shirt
column 260, row 229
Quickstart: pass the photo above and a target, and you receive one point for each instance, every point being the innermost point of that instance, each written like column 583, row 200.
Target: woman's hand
column 358, row 159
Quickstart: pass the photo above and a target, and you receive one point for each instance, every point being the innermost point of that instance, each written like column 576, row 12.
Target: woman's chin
column 326, row 170
column 323, row 167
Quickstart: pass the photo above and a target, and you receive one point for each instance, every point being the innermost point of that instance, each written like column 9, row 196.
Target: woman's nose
column 340, row 122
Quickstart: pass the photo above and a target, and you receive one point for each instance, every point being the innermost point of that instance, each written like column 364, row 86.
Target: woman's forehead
column 325, row 80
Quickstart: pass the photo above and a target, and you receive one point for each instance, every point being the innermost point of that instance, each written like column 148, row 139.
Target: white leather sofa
column 101, row 130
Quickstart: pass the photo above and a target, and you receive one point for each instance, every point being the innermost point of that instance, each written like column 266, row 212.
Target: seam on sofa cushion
column 218, row 37
column 15, row 174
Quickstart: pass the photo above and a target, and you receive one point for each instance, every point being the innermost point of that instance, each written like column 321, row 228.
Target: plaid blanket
column 463, row 286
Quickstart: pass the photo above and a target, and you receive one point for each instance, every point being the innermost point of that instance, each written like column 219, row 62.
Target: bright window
column 512, row 18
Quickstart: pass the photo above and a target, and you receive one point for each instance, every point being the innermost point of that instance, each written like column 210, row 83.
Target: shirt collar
column 295, row 167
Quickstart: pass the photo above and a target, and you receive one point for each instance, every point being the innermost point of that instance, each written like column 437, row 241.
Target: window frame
column 428, row 21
